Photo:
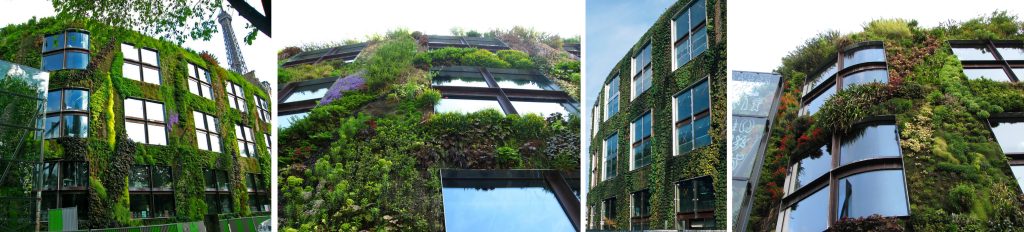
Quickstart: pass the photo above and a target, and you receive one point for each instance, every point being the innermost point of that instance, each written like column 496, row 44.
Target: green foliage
column 392, row 59
column 873, row 223
column 889, row 28
column 516, row 59
column 508, row 157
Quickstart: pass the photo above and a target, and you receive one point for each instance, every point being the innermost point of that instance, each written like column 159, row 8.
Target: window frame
column 246, row 137
column 605, row 156
column 263, row 107
column 696, row 213
column 645, row 139
column 644, row 220
column 634, row 75
column 608, row 214
column 151, row 191
column 678, row 122
column 193, row 77
column 236, row 100
column 677, row 40
column 60, row 190
column 998, row 61
column 63, row 111
column 145, row 121
column 617, row 96
column 217, row 192
column 65, row 49
column 257, row 193
column 142, row 65
column 206, row 128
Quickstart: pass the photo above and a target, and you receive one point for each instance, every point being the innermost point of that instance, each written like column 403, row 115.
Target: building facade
column 911, row 131
column 142, row 131
column 659, row 140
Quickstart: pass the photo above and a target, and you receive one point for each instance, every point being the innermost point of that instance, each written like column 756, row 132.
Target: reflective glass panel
column 864, row 77
column 77, row 60
column 78, row 40
column 819, row 101
column 522, row 82
column 683, row 102
column 699, row 41
column 76, row 99
column 682, row 24
column 139, row 177
column 53, row 101
column 131, row 71
column 136, row 131
column 303, row 93
column 129, row 52
column 53, row 62
column 873, row 141
column 154, row 111
column 611, row 155
column 973, row 53
column 810, row 214
column 51, row 127
column 53, row 42
column 701, row 128
column 157, row 135
column 76, row 126
column 149, row 57
column 466, row 105
column 684, row 134
column 162, row 177
column 701, row 97
column 544, row 109
column 470, row 79
column 502, row 205
column 995, row 74
column 863, row 56
column 811, row 167
column 1010, row 135
column 875, row 192
column 133, row 108
column 1011, row 53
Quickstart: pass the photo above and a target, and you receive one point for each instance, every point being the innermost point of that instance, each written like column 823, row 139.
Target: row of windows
column 67, row 114
column 66, row 50
column 860, row 65
column 695, row 206
column 993, row 61
column 692, row 123
column 1008, row 133
column 151, row 191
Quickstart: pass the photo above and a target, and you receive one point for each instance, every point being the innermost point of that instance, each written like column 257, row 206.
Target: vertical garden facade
column 897, row 127
column 141, row 131
column 659, row 145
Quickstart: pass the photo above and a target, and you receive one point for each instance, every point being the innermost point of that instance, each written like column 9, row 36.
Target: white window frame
column 632, row 130
column 604, row 156
column 607, row 97
column 633, row 76
column 675, row 112
column 672, row 28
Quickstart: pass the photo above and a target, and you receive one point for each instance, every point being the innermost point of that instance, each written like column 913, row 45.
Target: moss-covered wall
column 957, row 177
column 665, row 169
column 107, row 150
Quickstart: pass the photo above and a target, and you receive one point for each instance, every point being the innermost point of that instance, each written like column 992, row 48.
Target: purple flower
column 171, row 120
column 342, row 85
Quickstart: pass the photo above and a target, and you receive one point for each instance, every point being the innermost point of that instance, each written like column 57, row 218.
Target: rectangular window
column 65, row 184
column 67, row 114
column 144, row 121
column 263, row 107
column 199, row 81
column 207, row 131
column 611, row 104
column 259, row 200
column 641, row 141
column 608, row 210
column 266, row 138
column 236, row 96
column 640, row 219
column 641, row 71
column 692, row 121
column 140, row 64
column 150, row 192
column 691, row 36
column 218, row 195
column 696, row 203
column 496, row 200
column 246, row 141
column 611, row 151
column 65, row 50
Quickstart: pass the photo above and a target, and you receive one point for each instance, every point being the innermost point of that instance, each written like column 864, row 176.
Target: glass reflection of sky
column 519, row 82
column 995, row 74
column 819, row 101
column 810, row 168
column 810, row 214
column 864, row 77
column 870, row 142
column 307, row 93
column 876, row 192
column 1018, row 172
column 545, row 109
column 460, row 79
column 1011, row 53
column 973, row 53
column 285, row 121
column 503, row 209
column 1009, row 135
column 864, row 56
column 465, row 105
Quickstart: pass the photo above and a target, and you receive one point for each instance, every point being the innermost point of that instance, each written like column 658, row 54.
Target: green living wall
column 370, row 159
column 107, row 150
column 957, row 177
column 665, row 169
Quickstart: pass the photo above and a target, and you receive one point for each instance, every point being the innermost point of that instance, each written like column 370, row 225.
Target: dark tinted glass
column 876, row 192
column 682, row 24
column 1010, row 135
column 995, row 74
column 811, row 167
column 819, row 101
column 164, row 205
column 701, row 97
column 141, row 205
column 529, row 206
column 701, row 127
column 810, row 214
column 685, row 136
column 864, row 77
column 77, row 60
column 873, row 141
column 139, row 177
column 973, row 53
column 699, row 41
column 683, row 106
column 53, row 62
column 162, row 177
column 863, row 56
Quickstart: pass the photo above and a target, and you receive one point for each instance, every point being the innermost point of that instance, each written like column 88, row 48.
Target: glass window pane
column 136, row 131
column 157, row 135
column 516, row 81
column 52, row 127
column 682, row 24
column 544, row 109
column 162, row 177
column 1018, row 172
column 151, row 76
column 820, row 78
column 202, row 140
column 687, row 196
column 1011, row 53
column 1009, row 134
column 53, row 42
column 683, row 102
column 75, row 99
column 154, row 111
column 701, row 98
column 164, row 206
column 286, row 120
column 995, row 74
column 207, row 92
column 1019, row 72
column 876, row 192
column 149, row 57
column 53, row 101
column 129, row 51
column 611, row 154
column 861, row 56
column 685, row 136
column 133, row 107
column 864, row 77
column 192, row 71
column 76, row 126
column 74, row 174
column 819, row 101
column 466, row 105
column 973, row 53
column 212, row 125
column 53, row 62
column 697, row 13
column 699, row 42
column 455, row 78
column 873, row 141
column 139, row 177
column 51, row 175
column 306, row 93
column 77, row 60
column 199, row 119
column 490, row 205
column 215, row 144
column 78, row 40
column 810, row 214
column 705, row 194
column 701, row 127
column 131, row 71
column 140, row 205
column 811, row 167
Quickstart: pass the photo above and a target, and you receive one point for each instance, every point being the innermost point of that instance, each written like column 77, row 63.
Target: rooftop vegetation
column 957, row 177
column 368, row 157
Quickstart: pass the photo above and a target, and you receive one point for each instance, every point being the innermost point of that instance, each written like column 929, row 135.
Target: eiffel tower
column 235, row 59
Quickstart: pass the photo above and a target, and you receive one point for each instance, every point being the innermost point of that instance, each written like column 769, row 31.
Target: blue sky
column 612, row 28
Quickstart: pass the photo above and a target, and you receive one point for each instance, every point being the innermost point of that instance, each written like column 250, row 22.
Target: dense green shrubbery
column 451, row 56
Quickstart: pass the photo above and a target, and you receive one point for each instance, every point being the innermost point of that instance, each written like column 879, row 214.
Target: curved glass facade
column 876, row 192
